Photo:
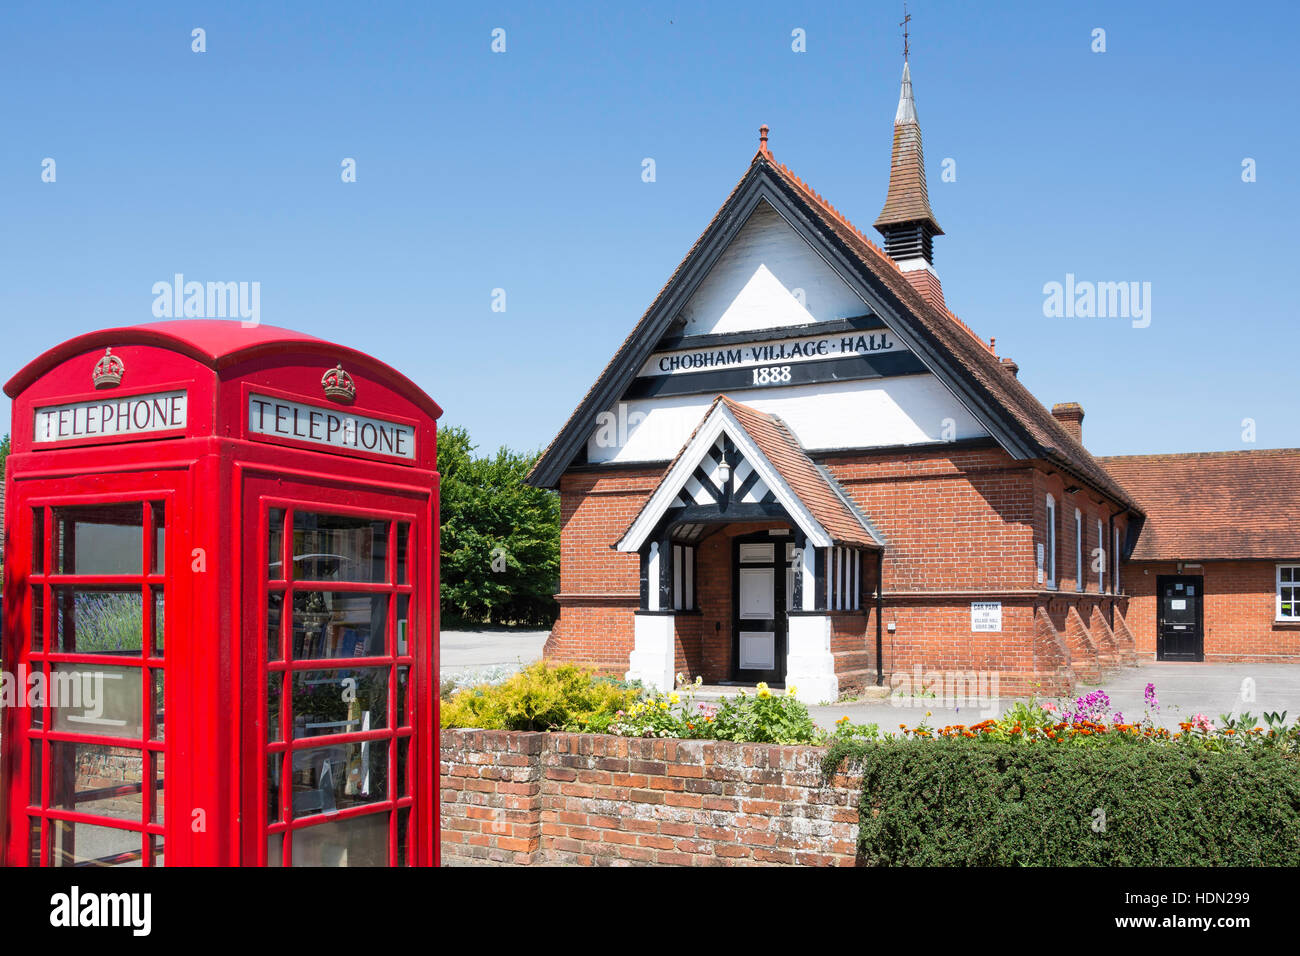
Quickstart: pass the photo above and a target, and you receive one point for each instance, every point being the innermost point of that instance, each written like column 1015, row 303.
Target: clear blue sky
column 522, row 171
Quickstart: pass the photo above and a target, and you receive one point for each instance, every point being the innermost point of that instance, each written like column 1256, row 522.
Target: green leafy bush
column 763, row 717
column 955, row 801
column 540, row 698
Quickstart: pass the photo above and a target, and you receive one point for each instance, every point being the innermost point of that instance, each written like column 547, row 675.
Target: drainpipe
column 880, row 616
column 1114, row 569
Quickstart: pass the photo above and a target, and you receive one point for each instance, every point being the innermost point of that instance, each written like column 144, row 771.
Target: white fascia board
column 721, row 421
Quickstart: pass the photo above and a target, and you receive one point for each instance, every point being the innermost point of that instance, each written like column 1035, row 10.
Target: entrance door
column 759, row 614
column 1179, row 625
column 338, row 621
column 90, row 577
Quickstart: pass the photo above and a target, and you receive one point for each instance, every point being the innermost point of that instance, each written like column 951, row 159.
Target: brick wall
column 523, row 799
column 961, row 524
column 1239, row 607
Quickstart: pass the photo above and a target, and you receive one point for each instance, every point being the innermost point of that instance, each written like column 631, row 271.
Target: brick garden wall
column 513, row 798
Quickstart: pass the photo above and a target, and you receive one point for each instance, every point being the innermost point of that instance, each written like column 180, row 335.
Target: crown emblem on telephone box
column 339, row 386
column 108, row 370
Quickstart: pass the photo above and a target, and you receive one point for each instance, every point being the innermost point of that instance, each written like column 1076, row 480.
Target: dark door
column 758, row 648
column 1179, row 633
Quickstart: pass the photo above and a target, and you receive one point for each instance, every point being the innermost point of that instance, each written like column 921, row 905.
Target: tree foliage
column 500, row 536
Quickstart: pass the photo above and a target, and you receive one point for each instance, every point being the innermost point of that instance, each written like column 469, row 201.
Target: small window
column 1078, row 550
column 1101, row 558
column 683, row 577
column 1288, row 592
column 1050, row 567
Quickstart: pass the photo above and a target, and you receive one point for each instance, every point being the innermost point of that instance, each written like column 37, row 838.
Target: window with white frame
column 1288, row 592
column 1050, row 564
column 1101, row 558
column 1079, row 577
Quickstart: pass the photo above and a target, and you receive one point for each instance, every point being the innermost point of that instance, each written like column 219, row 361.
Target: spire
column 906, row 221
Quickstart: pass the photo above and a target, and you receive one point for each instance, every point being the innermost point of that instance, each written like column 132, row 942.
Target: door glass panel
column 86, row 844
column 37, row 765
column 158, row 620
column 403, row 674
column 403, row 543
column 158, row 560
column 159, row 705
column 101, row 539
column 403, row 748
column 274, row 764
column 339, row 701
column 33, row 841
column 360, row 841
column 102, row 700
column 327, row 779
column 275, row 849
column 274, row 608
column 38, row 618
column 338, row 624
column 403, row 837
column 339, row 548
column 38, row 540
column 158, row 794
column 274, row 685
column 403, row 623
column 106, row 781
column 99, row 621
column 275, row 544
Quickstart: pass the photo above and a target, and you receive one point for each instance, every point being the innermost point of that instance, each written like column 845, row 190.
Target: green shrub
column 540, row 698
column 954, row 801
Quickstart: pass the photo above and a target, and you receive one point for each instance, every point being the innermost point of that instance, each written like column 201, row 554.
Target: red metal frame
column 217, row 485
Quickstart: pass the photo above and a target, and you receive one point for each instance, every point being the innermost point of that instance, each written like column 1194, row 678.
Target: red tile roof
column 1215, row 505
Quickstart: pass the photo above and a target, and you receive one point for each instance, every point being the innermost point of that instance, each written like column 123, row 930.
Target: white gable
column 768, row 278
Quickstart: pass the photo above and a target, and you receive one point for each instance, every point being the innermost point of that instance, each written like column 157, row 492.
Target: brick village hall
column 802, row 468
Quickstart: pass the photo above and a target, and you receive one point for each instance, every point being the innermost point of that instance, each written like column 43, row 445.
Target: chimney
column 906, row 221
column 1011, row 366
column 1070, row 415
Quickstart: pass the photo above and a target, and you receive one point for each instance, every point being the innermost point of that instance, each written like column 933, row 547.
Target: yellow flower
column 673, row 698
column 663, row 705
column 790, row 691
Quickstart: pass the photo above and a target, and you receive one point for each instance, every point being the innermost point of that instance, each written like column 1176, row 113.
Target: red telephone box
column 220, row 611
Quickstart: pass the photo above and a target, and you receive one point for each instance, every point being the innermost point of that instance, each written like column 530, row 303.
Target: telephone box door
column 337, row 665
column 92, row 574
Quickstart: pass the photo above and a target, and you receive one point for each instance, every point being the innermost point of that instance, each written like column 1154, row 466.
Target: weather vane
column 903, row 23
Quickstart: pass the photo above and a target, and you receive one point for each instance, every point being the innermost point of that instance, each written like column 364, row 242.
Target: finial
column 907, row 17
column 762, row 138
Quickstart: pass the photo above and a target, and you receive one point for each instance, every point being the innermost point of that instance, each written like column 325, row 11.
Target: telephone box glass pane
column 80, row 844
column 403, row 624
column 38, row 541
column 274, row 683
column 34, row 798
column 360, row 841
column 158, row 857
column 158, row 620
column 403, row 678
column 403, row 836
column 100, row 539
column 403, row 747
column 106, row 781
column 38, row 618
column 159, row 803
column 158, row 560
column 102, row 700
column 338, row 624
column 327, row 779
column 274, row 762
column 34, row 841
column 275, row 544
column 100, row 621
column 275, row 849
column 403, row 546
column 339, row 548
column 348, row 701
column 274, row 607
column 159, row 705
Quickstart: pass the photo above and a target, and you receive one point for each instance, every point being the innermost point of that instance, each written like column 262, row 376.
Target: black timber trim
column 761, row 184
column 859, row 323
column 808, row 372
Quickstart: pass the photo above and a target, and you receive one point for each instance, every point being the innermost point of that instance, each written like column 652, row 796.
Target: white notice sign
column 111, row 417
column 986, row 616
column 334, row 428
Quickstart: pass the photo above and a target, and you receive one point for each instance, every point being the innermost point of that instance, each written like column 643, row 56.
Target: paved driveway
column 1181, row 689
column 463, row 651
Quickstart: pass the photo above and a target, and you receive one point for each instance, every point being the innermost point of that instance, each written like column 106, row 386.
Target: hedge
column 954, row 802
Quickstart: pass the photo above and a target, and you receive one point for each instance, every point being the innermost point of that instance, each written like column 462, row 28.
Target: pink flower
column 1049, row 707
